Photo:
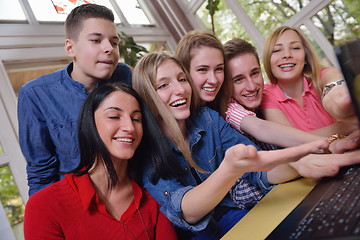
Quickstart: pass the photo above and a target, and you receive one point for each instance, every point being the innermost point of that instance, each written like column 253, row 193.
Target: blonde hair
column 198, row 39
column 144, row 82
column 312, row 68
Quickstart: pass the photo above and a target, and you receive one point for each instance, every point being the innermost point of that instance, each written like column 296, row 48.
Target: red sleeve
column 40, row 221
column 164, row 228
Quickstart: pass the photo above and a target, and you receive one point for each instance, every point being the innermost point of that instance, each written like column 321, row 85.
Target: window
column 11, row 10
column 11, row 202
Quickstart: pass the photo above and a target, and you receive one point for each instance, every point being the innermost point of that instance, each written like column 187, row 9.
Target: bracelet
column 329, row 86
column 330, row 140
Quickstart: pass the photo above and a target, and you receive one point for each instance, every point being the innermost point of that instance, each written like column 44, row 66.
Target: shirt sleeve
column 244, row 194
column 36, row 144
column 235, row 113
column 169, row 194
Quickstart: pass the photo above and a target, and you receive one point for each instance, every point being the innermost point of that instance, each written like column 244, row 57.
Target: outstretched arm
column 317, row 166
column 275, row 133
column 238, row 160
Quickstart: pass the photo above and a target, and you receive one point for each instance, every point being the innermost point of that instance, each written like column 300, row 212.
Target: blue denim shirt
column 209, row 136
column 48, row 109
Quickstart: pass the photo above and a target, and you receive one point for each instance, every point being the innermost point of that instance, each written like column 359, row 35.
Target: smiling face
column 95, row 52
column 119, row 124
column 247, row 80
column 174, row 89
column 207, row 71
column 288, row 57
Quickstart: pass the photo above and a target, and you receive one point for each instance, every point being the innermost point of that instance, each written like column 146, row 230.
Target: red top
column 71, row 209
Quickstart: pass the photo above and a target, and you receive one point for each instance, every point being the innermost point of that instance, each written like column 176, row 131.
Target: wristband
column 331, row 139
column 329, row 86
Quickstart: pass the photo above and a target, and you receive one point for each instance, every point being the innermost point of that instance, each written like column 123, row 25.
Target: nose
column 250, row 85
column 107, row 46
column 212, row 78
column 287, row 53
column 127, row 124
column 178, row 88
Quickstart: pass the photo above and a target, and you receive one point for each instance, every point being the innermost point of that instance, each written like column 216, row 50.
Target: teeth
column 129, row 140
column 179, row 102
column 251, row 95
column 287, row 65
column 209, row 89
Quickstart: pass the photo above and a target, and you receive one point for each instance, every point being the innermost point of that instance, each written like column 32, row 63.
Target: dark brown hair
column 74, row 21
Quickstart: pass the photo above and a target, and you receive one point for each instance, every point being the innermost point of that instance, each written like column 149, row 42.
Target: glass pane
column 1, row 150
column 226, row 24
column 338, row 21
column 11, row 201
column 268, row 15
column 11, row 10
column 322, row 57
column 133, row 12
column 44, row 10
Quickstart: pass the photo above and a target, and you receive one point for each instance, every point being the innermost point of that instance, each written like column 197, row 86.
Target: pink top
column 235, row 113
column 309, row 117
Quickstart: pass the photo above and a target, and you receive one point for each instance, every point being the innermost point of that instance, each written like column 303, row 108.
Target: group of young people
column 170, row 156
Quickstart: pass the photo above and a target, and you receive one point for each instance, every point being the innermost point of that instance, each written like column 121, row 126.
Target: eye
column 202, row 70
column 239, row 79
column 219, row 69
column 276, row 50
column 95, row 40
column 114, row 44
column 114, row 117
column 183, row 79
column 137, row 119
column 254, row 74
column 162, row 85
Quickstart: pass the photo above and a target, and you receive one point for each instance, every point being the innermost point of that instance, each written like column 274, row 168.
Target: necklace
column 110, row 208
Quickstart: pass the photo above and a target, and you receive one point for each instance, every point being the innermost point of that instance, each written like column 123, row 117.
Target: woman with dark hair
column 100, row 199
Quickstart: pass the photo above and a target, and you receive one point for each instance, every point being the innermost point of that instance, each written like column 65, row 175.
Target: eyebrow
column 120, row 110
column 100, row 34
column 280, row 44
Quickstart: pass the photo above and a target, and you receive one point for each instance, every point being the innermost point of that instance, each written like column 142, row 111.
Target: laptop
column 332, row 209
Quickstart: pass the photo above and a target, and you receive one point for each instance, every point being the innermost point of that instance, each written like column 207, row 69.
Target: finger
column 241, row 151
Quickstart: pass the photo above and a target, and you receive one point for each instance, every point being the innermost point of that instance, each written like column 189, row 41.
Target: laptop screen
column 348, row 56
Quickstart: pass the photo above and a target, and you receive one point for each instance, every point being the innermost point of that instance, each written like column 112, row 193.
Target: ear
column 69, row 48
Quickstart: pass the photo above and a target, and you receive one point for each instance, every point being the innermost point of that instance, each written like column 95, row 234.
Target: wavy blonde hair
column 312, row 68
column 144, row 82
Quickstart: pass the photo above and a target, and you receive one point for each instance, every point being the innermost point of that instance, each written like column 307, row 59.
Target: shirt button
column 186, row 168
column 166, row 193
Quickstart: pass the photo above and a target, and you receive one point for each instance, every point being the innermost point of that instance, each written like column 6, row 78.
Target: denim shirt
column 48, row 109
column 209, row 136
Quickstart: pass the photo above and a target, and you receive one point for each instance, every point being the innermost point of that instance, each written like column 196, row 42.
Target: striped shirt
column 235, row 113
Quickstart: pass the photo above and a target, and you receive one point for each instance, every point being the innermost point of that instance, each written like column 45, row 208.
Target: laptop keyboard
column 337, row 214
